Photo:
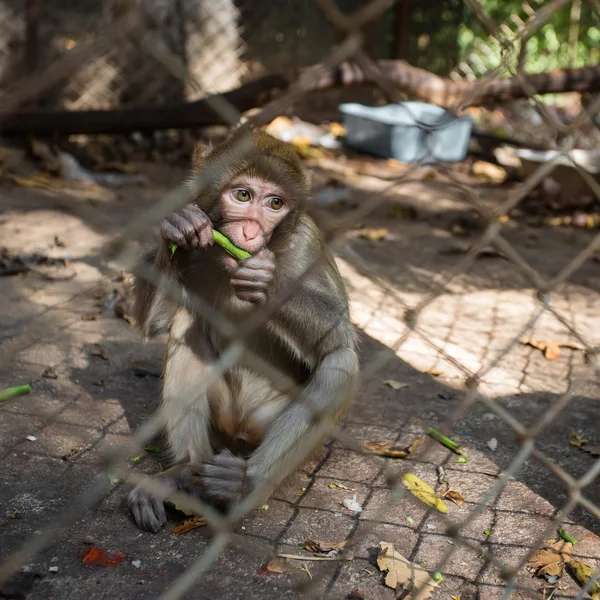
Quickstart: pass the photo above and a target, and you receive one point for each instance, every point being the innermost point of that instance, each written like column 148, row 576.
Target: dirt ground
column 52, row 318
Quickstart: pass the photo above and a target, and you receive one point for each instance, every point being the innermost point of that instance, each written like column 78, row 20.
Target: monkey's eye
column 241, row 195
column 276, row 203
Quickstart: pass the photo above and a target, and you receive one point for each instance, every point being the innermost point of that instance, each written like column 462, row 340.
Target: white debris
column 430, row 526
column 492, row 444
column 53, row 569
column 352, row 504
column 136, row 563
column 31, row 438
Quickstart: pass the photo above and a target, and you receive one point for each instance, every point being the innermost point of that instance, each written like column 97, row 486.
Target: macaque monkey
column 237, row 434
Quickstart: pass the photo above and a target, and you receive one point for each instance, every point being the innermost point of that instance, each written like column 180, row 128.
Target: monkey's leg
column 228, row 478
column 186, row 413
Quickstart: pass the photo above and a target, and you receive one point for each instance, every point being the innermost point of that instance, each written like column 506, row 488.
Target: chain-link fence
column 192, row 69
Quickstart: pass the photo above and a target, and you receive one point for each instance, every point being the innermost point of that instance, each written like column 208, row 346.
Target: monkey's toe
column 148, row 510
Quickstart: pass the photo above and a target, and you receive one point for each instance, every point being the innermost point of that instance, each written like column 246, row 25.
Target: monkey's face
column 250, row 209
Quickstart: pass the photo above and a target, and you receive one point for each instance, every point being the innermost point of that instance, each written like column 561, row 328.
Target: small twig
column 298, row 557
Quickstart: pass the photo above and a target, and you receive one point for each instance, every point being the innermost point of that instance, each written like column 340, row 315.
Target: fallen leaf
column 190, row 524
column 89, row 317
column 549, row 561
column 151, row 448
column 489, row 171
column 423, row 492
column 434, row 372
column 99, row 352
column 340, row 486
column 551, row 350
column 386, row 449
column 593, row 450
column 276, row 566
column 323, row 547
column 264, row 507
column 374, row 235
column 96, row 556
column 396, row 385
column 455, row 497
column 49, row 373
column 410, row 576
column 337, row 129
column 582, row 573
column 577, row 440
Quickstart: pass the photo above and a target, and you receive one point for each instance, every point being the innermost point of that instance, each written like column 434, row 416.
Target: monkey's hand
column 223, row 479
column 148, row 506
column 254, row 277
column 189, row 228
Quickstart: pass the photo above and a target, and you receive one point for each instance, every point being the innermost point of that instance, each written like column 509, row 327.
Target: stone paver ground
column 44, row 323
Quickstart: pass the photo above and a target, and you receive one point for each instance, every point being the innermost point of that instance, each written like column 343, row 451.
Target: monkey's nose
column 251, row 231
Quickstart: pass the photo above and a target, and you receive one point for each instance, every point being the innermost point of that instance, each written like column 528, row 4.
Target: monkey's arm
column 320, row 320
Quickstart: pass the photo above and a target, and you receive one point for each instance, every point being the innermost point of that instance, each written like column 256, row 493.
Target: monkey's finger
column 249, row 284
column 258, row 264
column 186, row 229
column 201, row 225
column 245, row 274
column 148, row 511
column 253, row 297
column 172, row 233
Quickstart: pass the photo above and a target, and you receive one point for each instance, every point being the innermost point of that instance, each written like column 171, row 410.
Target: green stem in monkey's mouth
column 224, row 242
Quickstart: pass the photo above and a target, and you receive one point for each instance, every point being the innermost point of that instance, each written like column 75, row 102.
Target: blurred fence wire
column 192, row 68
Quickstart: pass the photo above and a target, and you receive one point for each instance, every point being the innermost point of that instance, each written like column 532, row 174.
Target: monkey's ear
column 201, row 151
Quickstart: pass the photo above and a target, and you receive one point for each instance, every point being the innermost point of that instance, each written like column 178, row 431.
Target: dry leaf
column 373, row 235
column 489, row 171
column 577, row 440
column 593, row 450
column 49, row 373
column 324, row 547
column 341, row 486
column 276, row 566
column 454, row 497
column 434, row 372
column 386, row 449
column 99, row 352
column 337, row 129
column 420, row 490
column 549, row 560
column 190, row 524
column 551, row 350
column 396, row 385
column 401, row 571
column 582, row 573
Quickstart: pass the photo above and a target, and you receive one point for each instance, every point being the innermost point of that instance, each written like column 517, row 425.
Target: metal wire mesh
column 93, row 64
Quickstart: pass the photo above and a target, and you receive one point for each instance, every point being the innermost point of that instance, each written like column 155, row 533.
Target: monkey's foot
column 148, row 510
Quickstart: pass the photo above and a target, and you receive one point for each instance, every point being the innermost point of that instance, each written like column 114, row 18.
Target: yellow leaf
column 420, row 490
column 489, row 171
column 577, row 440
column 374, row 235
column 412, row 577
column 337, row 129
column 582, row 574
column 434, row 372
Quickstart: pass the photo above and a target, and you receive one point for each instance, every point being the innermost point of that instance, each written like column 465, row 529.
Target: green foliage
column 547, row 49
